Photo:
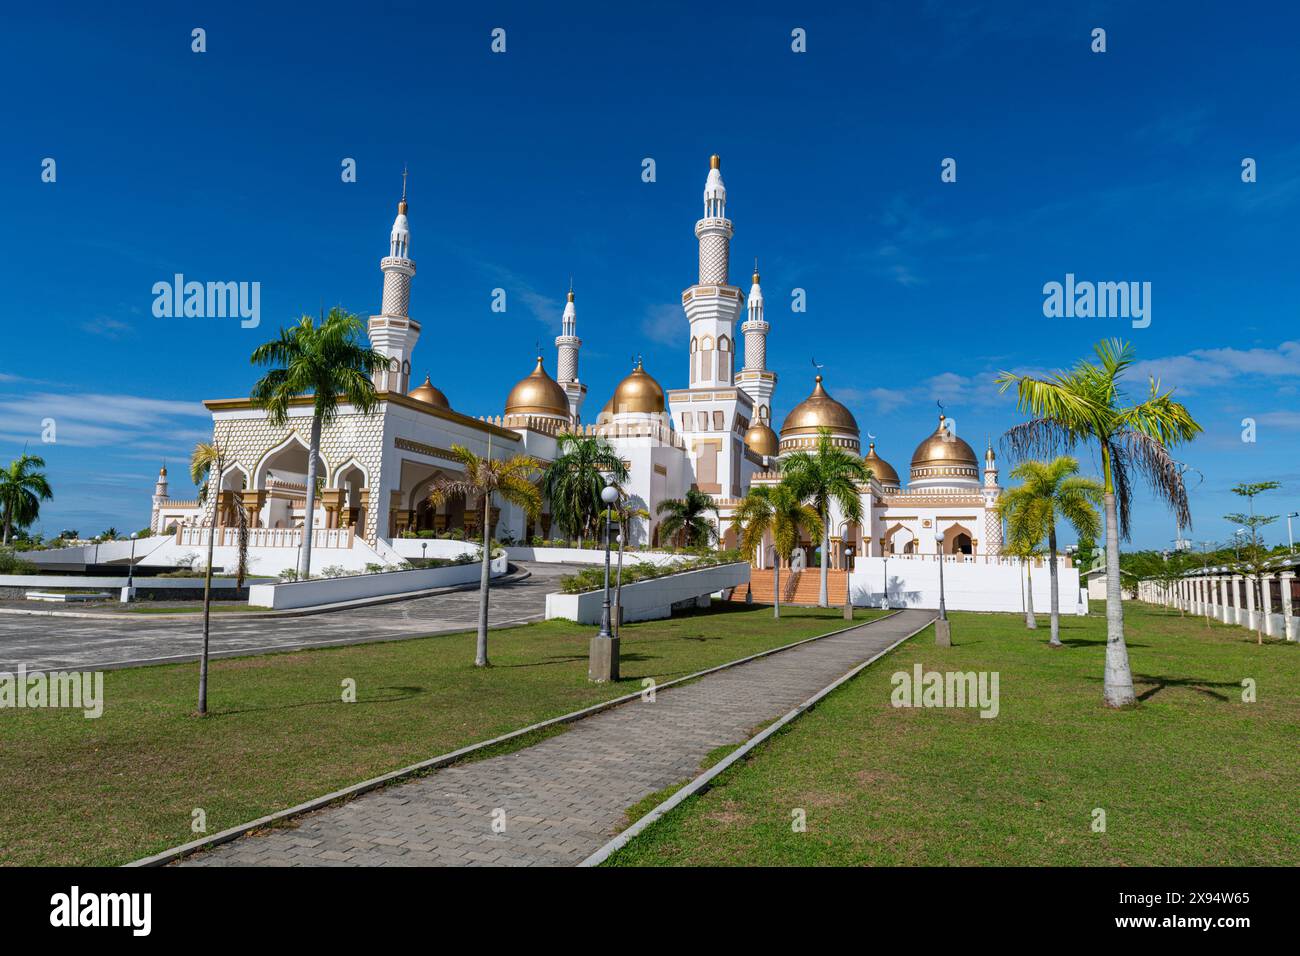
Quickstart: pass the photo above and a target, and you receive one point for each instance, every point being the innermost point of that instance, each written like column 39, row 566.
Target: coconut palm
column 827, row 475
column 688, row 517
column 22, row 489
column 202, row 458
column 1087, row 404
column 1026, row 526
column 328, row 362
column 573, row 481
column 511, row 480
column 1055, row 489
column 775, row 510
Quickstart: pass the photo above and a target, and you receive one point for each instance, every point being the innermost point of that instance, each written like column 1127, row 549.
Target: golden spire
column 715, row 161
column 570, row 288
column 755, row 270
column 401, row 206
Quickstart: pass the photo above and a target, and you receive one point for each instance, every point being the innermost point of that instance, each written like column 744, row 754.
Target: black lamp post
column 130, row 568
column 602, row 663
column 942, row 628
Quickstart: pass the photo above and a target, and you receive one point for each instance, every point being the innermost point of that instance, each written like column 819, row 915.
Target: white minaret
column 159, row 499
column 568, row 344
column 992, row 544
column 712, row 306
column 393, row 332
column 754, row 378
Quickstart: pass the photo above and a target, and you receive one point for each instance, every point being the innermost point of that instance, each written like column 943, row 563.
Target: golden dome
column 538, row 394
column 883, row 470
column 715, row 161
column 944, row 455
column 816, row 411
column 761, row 439
column 639, row 392
column 430, row 395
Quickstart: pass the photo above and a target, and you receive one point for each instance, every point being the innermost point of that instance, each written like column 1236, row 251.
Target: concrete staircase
column 797, row 587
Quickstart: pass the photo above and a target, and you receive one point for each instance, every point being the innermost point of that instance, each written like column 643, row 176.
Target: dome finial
column 715, row 161
column 401, row 206
column 755, row 270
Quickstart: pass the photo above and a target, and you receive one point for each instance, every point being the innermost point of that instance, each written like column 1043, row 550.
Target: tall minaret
column 393, row 332
column 712, row 305
column 159, row 499
column 992, row 544
column 754, row 378
column 568, row 343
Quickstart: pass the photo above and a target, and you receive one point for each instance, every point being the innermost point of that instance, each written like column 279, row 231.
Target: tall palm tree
column 329, row 362
column 1087, row 404
column 573, row 481
column 777, row 510
column 1025, row 530
column 512, row 480
column 22, row 489
column 1056, row 488
column 688, row 517
column 202, row 458
column 824, row 476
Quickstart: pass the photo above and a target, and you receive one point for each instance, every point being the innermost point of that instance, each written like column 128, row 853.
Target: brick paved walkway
column 564, row 797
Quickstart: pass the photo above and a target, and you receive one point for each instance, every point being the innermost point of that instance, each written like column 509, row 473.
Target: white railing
column 999, row 560
column 340, row 538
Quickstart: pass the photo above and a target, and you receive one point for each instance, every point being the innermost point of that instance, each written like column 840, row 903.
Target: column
column 1266, row 602
column 1288, row 621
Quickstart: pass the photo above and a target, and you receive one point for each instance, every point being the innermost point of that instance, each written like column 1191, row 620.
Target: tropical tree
column 827, row 475
column 623, row 511
column 510, row 479
column 202, row 458
column 22, row 489
column 328, row 362
column 110, row 534
column 1025, row 530
column 573, row 481
column 1253, row 564
column 688, row 517
column 1085, row 405
column 1056, row 489
column 777, row 510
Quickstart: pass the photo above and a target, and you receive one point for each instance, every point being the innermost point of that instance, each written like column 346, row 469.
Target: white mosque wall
column 432, row 547
column 967, row 586
column 589, row 556
column 263, row 561
column 650, row 600
column 298, row 594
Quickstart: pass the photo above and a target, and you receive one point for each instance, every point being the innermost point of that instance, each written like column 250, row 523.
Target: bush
column 10, row 563
column 334, row 571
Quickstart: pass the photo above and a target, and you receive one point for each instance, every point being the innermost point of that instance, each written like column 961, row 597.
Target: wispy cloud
column 1202, row 369
column 664, row 324
column 107, row 327
column 99, row 420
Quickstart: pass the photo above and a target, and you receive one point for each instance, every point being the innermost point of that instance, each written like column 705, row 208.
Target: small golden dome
column 882, row 470
column 761, row 439
column 943, row 448
column 816, row 411
column 639, row 392
column 538, row 394
column 715, row 161
column 430, row 395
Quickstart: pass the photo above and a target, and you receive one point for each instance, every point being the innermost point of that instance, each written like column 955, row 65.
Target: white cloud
column 99, row 420
column 665, row 324
column 1213, row 368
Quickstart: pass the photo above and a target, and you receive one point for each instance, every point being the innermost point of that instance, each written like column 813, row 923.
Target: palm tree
column 202, row 459
column 512, row 480
column 328, row 362
column 573, row 481
column 1025, row 530
column 822, row 477
column 110, row 534
column 623, row 513
column 22, row 489
column 1086, row 404
column 688, row 517
column 777, row 510
column 1056, row 488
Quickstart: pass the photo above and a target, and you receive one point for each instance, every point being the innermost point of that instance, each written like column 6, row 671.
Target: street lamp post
column 848, row 577
column 1290, row 541
column 942, row 627
column 602, row 663
column 129, row 591
column 424, row 551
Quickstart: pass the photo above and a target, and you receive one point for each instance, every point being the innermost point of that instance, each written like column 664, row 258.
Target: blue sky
column 525, row 167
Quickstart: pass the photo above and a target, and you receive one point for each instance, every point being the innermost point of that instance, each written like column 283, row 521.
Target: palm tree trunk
column 1030, row 621
column 618, row 580
column 304, row 562
column 822, row 600
column 8, row 526
column 1056, row 596
column 776, row 593
column 480, row 650
column 1119, row 679
column 207, row 610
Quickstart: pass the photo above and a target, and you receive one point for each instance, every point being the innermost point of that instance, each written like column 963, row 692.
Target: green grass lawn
column 106, row 791
column 1191, row 776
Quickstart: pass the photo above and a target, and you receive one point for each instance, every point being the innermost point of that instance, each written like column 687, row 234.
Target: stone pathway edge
column 703, row 781
column 434, row 763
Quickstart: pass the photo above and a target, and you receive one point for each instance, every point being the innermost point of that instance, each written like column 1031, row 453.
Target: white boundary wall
column 649, row 600
column 966, row 586
column 591, row 556
column 296, row 594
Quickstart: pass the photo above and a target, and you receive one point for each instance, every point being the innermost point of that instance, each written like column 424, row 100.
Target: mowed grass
column 113, row 789
column 1191, row 776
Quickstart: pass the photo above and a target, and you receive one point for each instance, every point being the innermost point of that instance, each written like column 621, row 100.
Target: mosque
column 714, row 433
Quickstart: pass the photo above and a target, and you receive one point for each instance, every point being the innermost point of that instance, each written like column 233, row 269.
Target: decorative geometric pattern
column 714, row 254
column 397, row 293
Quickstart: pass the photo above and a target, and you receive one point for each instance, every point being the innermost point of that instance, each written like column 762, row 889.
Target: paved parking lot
column 82, row 643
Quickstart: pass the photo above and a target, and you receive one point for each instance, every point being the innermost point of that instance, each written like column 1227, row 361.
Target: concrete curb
column 701, row 783
column 357, row 789
column 508, row 578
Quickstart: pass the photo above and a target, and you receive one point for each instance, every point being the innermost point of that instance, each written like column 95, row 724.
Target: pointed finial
column 401, row 206
column 715, row 161
column 755, row 270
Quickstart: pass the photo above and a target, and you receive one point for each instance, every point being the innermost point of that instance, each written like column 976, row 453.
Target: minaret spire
column 393, row 332
column 568, row 344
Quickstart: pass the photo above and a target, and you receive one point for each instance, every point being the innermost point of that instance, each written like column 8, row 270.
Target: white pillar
column 1288, row 621
column 1224, row 608
column 1266, row 602
column 1251, row 618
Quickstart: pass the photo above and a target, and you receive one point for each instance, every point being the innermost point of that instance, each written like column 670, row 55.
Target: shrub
column 10, row 563
column 334, row 571
column 593, row 578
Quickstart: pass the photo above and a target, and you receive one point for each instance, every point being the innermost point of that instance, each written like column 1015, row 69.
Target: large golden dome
column 429, row 394
column 639, row 392
column 761, row 439
column 538, row 394
column 944, row 455
column 882, row 470
column 816, row 411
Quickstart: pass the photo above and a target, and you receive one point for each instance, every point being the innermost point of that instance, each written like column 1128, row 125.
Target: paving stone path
column 565, row 797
